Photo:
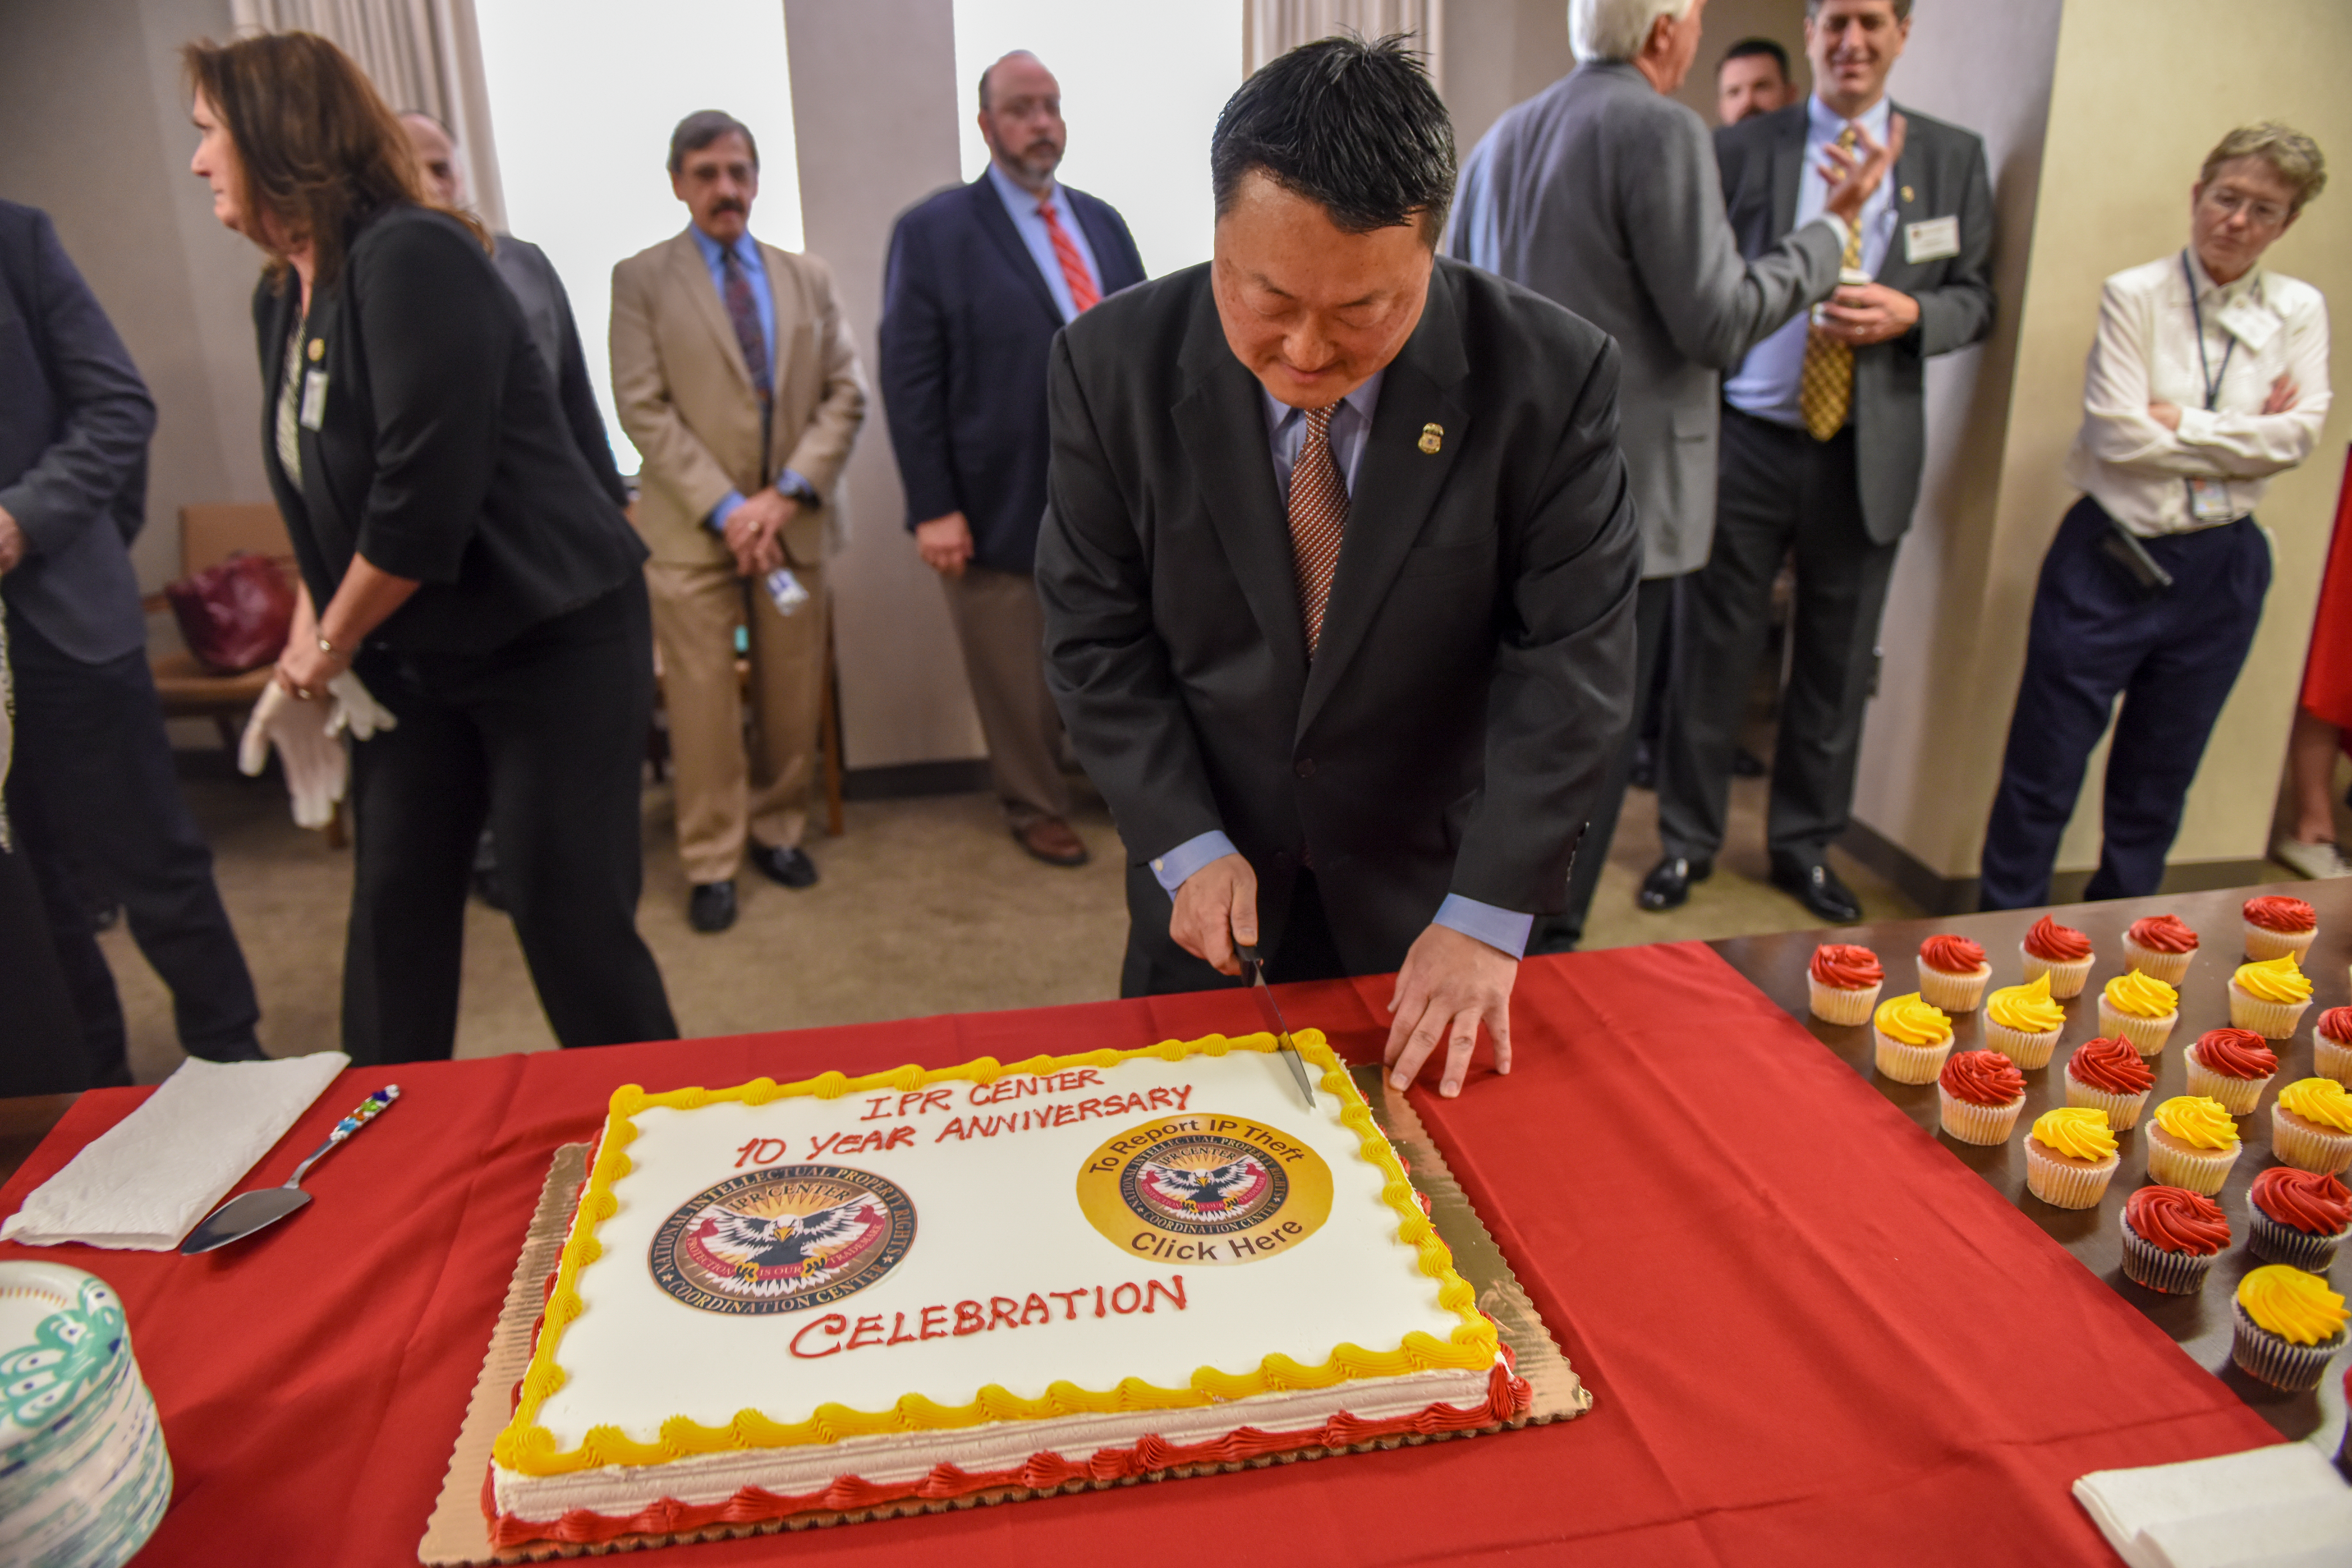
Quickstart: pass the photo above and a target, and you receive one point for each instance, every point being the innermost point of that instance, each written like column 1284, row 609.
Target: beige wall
column 2139, row 90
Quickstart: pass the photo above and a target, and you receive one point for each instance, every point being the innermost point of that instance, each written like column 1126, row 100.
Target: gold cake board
column 458, row 1533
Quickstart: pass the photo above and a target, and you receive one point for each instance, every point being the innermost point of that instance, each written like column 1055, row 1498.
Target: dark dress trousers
column 520, row 672
column 1840, row 506
column 1475, row 666
column 92, row 791
column 967, row 322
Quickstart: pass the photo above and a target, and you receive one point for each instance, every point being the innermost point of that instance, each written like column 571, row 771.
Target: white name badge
column 2209, row 501
column 2251, row 324
column 314, row 399
column 1931, row 240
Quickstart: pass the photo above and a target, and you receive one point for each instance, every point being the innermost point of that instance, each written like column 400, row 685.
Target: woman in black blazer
column 459, row 561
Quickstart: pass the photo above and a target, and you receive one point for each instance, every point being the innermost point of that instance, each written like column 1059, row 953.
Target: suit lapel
column 1787, row 169
column 1221, row 422
column 690, row 275
column 1396, row 486
column 997, row 224
column 1910, row 172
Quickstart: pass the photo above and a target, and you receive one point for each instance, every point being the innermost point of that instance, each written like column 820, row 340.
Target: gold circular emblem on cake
column 1201, row 1188
column 783, row 1239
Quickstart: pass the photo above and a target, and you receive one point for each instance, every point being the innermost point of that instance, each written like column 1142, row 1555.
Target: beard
column 1038, row 160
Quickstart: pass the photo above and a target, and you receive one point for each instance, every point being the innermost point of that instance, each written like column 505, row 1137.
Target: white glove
column 356, row 708
column 316, row 768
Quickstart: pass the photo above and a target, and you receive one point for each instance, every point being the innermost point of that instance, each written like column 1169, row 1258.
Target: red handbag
column 234, row 616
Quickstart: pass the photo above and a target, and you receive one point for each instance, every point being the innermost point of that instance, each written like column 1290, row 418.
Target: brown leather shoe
column 1052, row 840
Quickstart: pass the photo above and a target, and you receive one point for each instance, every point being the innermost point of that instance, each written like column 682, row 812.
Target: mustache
column 729, row 205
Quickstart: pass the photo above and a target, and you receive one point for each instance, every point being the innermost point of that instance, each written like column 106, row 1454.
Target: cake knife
column 248, row 1212
column 1271, row 1014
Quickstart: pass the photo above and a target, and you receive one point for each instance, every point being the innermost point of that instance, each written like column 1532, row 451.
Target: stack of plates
column 83, row 1476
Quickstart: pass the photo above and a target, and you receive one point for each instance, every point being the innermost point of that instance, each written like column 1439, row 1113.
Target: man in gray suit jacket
column 1822, row 442
column 1601, row 192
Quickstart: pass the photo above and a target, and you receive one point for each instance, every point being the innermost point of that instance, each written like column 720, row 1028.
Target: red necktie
column 1084, row 295
column 1318, row 515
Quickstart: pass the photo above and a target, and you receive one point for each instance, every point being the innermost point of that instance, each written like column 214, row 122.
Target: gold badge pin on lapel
column 1433, row 437
column 318, row 350
column 1906, row 193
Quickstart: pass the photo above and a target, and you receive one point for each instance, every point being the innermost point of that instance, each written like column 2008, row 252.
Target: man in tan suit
column 736, row 379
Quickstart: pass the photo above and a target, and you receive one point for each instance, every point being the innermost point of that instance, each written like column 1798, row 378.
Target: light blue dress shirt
column 1351, row 428
column 755, row 272
column 1765, row 383
column 1022, row 207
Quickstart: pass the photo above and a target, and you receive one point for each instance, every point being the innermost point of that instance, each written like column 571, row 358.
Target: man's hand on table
column 1450, row 984
column 1215, row 908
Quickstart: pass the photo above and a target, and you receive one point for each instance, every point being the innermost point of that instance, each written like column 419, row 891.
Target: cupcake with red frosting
column 1952, row 973
column 2060, row 952
column 2160, row 947
column 2331, row 1046
column 2171, row 1236
column 2233, row 1066
column 2069, row 1157
column 1982, row 1091
column 2299, row 1217
column 2109, row 1075
column 2276, row 926
column 1845, row 980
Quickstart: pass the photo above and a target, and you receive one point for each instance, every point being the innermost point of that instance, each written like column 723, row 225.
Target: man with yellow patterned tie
column 1823, row 433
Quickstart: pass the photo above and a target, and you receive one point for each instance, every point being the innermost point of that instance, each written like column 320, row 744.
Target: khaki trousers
column 727, row 791
column 1004, row 637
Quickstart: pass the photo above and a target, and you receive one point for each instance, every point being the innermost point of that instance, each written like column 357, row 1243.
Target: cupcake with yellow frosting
column 2268, row 996
column 2069, row 1157
column 2233, row 1066
column 2289, row 1323
column 2140, row 1009
column 2023, row 1023
column 2331, row 1046
column 2193, row 1143
column 2311, row 1126
column 1913, row 1039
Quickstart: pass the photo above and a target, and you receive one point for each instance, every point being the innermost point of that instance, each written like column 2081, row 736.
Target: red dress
column 2327, row 673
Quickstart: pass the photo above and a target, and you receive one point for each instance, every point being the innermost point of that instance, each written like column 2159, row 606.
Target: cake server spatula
column 248, row 1212
column 1272, row 1015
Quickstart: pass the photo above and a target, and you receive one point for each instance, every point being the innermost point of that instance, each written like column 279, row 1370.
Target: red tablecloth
column 1806, row 1325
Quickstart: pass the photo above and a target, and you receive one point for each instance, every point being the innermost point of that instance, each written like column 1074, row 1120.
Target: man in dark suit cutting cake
column 1338, row 570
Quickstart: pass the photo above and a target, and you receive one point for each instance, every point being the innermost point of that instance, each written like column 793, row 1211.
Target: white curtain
column 421, row 54
column 1270, row 27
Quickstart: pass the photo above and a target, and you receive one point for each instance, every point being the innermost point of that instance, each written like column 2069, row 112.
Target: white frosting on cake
column 991, row 1171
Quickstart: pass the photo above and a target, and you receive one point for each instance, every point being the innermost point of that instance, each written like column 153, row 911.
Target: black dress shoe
column 1668, row 884
column 1816, row 886
column 790, row 867
column 711, row 908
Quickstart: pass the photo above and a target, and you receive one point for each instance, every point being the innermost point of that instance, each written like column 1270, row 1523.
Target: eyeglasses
column 2230, row 203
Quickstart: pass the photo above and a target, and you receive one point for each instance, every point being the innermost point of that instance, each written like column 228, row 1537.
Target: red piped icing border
column 1507, row 1397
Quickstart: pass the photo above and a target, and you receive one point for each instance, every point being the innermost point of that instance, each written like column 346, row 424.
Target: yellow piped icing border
column 530, row 1450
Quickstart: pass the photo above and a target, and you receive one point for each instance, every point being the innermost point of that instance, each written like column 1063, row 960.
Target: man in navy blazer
column 92, row 785
column 981, row 277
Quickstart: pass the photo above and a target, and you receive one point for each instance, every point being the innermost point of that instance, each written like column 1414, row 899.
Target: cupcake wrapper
column 2309, row 1148
column 2122, row 1110
column 1953, row 993
column 2062, row 1185
column 2201, row 1171
column 2331, row 1059
column 2262, row 943
column 1910, row 1063
column 1973, row 1124
column 2026, row 1051
column 2271, row 1020
column 2277, row 1242
column 2147, row 1035
column 2065, row 979
column 2276, row 1360
column 1833, row 1005
column 2173, row 1273
column 2172, row 968
column 2238, row 1096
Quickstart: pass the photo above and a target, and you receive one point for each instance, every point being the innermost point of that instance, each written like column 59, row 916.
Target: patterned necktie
column 1084, row 296
column 1318, row 515
column 1825, row 385
column 743, row 311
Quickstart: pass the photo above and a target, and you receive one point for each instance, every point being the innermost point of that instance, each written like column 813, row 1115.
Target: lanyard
column 2204, row 365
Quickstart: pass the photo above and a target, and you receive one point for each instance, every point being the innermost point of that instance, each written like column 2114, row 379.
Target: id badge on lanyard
column 2208, row 499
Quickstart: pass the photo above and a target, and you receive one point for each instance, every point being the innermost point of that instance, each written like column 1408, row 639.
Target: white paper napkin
column 2281, row 1507
column 143, row 1184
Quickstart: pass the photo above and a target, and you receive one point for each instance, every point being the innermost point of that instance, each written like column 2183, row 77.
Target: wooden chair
column 209, row 534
